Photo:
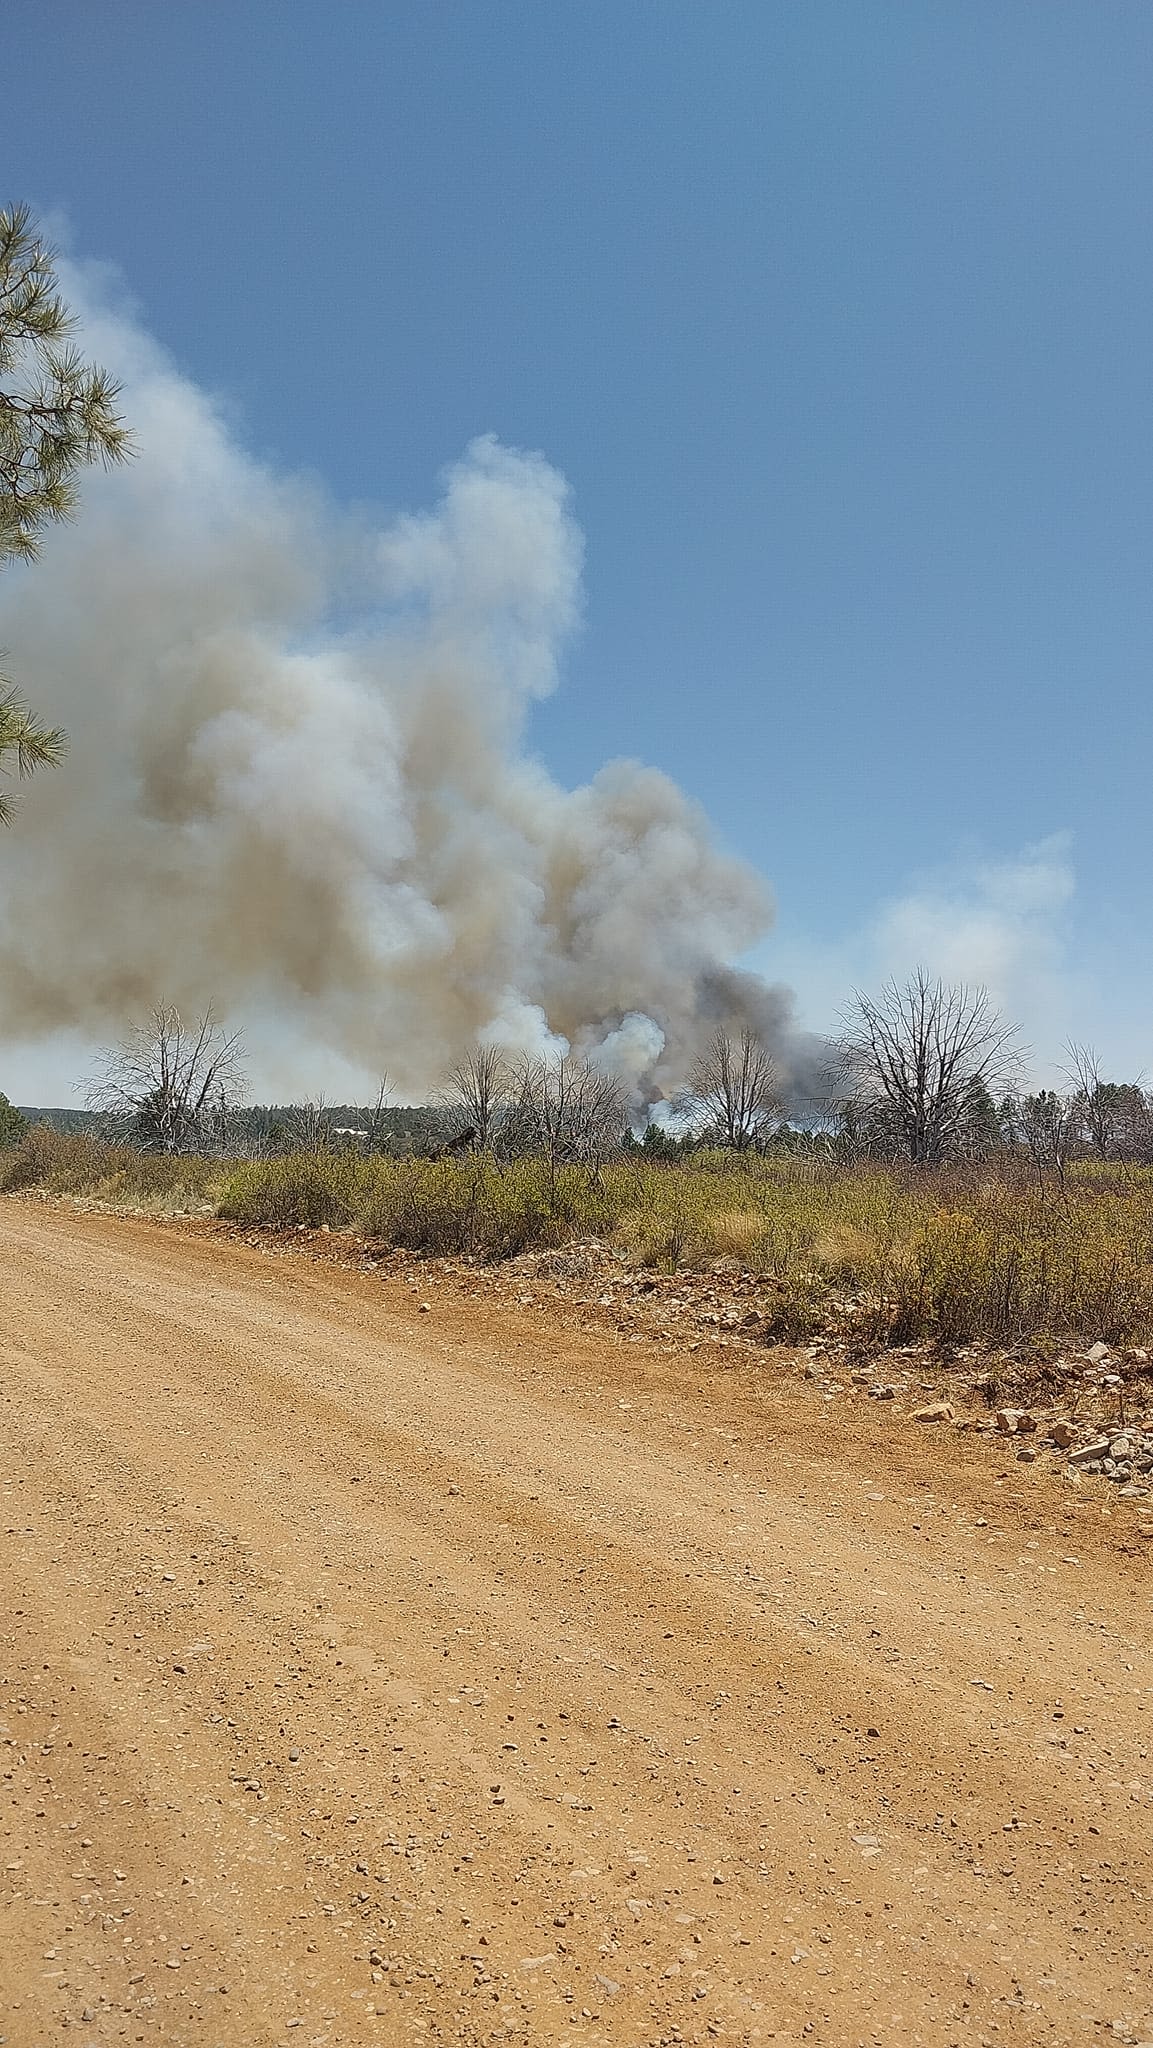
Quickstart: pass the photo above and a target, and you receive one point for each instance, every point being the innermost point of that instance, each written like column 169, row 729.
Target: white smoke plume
column 298, row 787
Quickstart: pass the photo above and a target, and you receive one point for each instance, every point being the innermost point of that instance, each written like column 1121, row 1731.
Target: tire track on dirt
column 620, row 1713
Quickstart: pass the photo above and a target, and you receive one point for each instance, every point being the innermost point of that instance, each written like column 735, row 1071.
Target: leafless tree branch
column 167, row 1086
column 916, row 1056
column 734, row 1089
column 478, row 1094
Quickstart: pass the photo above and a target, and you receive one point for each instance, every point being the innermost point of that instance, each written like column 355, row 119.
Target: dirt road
column 378, row 1675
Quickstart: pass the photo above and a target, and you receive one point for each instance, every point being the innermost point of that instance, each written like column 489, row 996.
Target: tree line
column 926, row 1073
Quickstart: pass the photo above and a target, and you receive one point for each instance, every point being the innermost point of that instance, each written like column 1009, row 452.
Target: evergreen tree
column 12, row 1124
column 57, row 415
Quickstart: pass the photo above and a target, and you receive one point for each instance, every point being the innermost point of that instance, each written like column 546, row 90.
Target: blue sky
column 837, row 320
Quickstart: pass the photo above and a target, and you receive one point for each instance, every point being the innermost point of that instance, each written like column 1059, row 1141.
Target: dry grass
column 434, row 1206
column 115, row 1174
column 892, row 1255
column 955, row 1257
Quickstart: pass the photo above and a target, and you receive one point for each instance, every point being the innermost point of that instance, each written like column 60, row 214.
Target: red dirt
column 371, row 1675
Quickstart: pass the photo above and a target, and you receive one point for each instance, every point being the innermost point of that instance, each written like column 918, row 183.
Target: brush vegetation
column 887, row 1253
column 77, row 1163
column 955, row 1256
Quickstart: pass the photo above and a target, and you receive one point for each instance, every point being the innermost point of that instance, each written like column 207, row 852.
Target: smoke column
column 297, row 785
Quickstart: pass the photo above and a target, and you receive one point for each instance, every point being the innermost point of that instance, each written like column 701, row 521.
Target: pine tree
column 12, row 1125
column 25, row 742
column 57, row 415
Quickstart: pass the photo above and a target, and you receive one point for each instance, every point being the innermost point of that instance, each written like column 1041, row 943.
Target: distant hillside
column 400, row 1129
column 60, row 1119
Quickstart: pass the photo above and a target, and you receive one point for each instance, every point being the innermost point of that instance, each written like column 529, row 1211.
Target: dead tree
column 374, row 1121
column 167, row 1087
column 478, row 1093
column 912, row 1059
column 310, row 1125
column 569, row 1111
column 463, row 1142
column 735, row 1091
column 1046, row 1125
column 1114, row 1116
column 454, row 1148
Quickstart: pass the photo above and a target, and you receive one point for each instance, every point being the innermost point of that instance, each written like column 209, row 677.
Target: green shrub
column 303, row 1187
column 892, row 1254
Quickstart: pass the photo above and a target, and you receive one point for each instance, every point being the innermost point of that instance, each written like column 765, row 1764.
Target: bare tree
column 1094, row 1111
column 167, row 1088
column 912, row 1059
column 1113, row 1115
column 1046, row 1125
column 568, row 1110
column 734, row 1088
column 310, row 1125
column 375, row 1120
column 478, row 1095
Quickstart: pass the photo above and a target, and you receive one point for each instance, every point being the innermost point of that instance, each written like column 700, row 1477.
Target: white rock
column 1099, row 1448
